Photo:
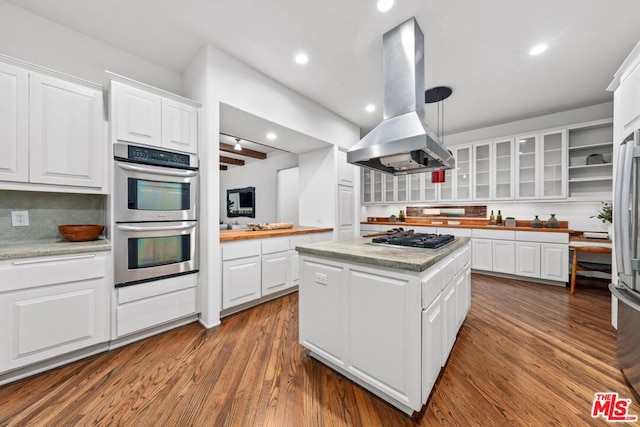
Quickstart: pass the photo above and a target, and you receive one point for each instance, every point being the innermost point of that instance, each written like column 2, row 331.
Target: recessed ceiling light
column 538, row 49
column 271, row 136
column 384, row 5
column 302, row 58
column 370, row 108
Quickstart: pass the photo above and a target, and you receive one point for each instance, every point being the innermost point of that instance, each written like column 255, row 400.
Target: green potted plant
column 605, row 214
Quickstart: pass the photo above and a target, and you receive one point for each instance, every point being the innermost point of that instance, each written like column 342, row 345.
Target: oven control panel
column 153, row 156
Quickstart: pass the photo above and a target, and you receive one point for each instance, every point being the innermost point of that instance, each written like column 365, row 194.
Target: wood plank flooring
column 527, row 354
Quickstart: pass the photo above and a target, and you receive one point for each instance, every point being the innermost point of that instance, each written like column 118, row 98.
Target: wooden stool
column 587, row 266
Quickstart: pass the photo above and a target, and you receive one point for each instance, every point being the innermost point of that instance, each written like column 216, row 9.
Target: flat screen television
column 241, row 202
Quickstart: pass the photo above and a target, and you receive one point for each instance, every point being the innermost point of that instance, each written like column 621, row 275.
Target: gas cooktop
column 415, row 240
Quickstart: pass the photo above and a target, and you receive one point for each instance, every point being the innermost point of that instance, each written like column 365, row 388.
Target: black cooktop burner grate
column 415, row 240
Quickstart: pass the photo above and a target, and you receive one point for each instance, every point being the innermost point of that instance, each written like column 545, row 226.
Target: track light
column 238, row 147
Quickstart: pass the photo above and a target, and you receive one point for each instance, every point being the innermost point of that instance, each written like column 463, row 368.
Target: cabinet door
column 432, row 341
column 461, row 298
column 346, row 212
column 321, row 311
column 66, row 140
column 377, row 187
column 553, row 165
column 240, row 281
column 504, row 257
column 367, row 185
column 138, row 116
column 449, row 301
column 389, row 188
column 385, row 350
column 629, row 91
column 346, row 171
column 430, row 189
column 503, row 173
column 463, row 173
column 526, row 167
column 554, row 262
column 275, row 269
column 415, row 186
column 528, row 259
column 481, row 254
column 482, row 167
column 14, row 124
column 445, row 189
column 179, row 126
column 402, row 183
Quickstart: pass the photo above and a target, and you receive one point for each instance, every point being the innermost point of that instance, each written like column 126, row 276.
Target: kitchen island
column 384, row 317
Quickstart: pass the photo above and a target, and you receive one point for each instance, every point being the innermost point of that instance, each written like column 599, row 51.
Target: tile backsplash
column 46, row 212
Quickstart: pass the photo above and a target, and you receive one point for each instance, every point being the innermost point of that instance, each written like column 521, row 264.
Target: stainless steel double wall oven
column 156, row 214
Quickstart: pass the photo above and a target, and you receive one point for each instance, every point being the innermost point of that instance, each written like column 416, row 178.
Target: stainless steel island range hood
column 402, row 143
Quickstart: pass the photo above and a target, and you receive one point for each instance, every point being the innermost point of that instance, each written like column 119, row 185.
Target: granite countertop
column 402, row 258
column 242, row 234
column 37, row 248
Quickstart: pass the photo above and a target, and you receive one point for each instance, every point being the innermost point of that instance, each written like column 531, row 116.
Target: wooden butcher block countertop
column 470, row 223
column 243, row 234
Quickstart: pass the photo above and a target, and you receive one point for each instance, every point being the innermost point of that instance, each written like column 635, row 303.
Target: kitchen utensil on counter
column 553, row 222
column 536, row 223
column 80, row 233
column 510, row 222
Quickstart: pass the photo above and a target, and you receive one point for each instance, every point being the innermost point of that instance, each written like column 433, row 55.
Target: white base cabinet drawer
column 150, row 312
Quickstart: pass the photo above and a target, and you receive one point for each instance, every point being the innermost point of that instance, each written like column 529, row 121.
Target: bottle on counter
column 401, row 216
column 499, row 218
column 492, row 218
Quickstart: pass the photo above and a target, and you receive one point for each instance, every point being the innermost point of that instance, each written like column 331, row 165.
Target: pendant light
column 238, row 147
column 438, row 94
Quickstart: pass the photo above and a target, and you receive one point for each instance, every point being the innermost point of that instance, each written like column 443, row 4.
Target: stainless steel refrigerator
column 626, row 244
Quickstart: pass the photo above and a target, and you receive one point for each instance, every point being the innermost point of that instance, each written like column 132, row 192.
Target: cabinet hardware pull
column 165, row 172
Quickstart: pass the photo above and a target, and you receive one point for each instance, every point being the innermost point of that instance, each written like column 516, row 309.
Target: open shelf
column 592, row 146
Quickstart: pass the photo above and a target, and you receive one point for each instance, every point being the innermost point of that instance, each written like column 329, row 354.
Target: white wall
column 261, row 174
column 32, row 38
column 216, row 77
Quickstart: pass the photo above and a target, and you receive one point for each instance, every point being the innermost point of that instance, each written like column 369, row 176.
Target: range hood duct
column 402, row 143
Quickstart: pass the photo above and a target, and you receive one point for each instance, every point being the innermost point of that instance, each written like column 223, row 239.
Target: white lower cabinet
column 554, row 263
column 51, row 306
column 241, row 273
column 504, row 257
column 379, row 327
column 528, row 259
column 275, row 272
column 482, row 254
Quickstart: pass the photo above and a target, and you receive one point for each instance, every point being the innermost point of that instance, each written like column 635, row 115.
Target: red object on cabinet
column 437, row 177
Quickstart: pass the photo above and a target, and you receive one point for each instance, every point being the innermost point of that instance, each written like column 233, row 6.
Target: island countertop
column 361, row 250
column 242, row 234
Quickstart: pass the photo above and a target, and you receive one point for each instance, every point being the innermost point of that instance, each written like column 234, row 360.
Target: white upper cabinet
column 377, row 183
column 138, row 115
column 482, row 171
column 445, row 189
column 430, row 189
column 502, row 169
column 553, row 165
column 629, row 91
column 415, row 186
column 51, row 131
column 346, row 171
column 463, row 173
column 142, row 115
column 14, row 123
column 367, row 185
column 66, row 133
column 180, row 126
column 526, row 167
column 402, row 185
column 389, row 188
column 590, row 161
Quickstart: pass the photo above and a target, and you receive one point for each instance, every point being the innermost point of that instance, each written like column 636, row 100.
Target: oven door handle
column 165, row 171
column 155, row 227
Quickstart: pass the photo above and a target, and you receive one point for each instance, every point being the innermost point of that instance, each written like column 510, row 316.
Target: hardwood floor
column 527, row 354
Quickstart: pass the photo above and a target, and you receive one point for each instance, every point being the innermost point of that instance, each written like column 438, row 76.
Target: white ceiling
column 479, row 48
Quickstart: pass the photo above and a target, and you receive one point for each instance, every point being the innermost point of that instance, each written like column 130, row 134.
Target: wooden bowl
column 80, row 233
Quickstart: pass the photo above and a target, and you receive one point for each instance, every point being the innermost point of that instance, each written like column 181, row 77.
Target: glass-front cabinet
column 503, row 169
column 389, row 188
column 553, row 165
column 463, row 173
column 482, row 171
column 402, row 182
column 377, row 187
column 415, row 186
column 430, row 189
column 446, row 188
column 526, row 166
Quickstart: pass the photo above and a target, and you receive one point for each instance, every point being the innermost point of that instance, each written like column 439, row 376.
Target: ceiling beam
column 245, row 151
column 223, row 167
column 231, row 161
